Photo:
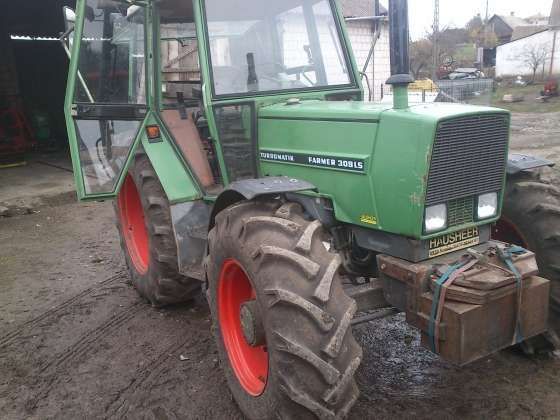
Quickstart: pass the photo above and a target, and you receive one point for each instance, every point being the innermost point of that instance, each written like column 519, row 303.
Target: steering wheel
column 297, row 70
column 300, row 69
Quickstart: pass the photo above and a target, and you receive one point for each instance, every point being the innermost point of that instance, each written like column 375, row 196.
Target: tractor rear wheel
column 531, row 219
column 281, row 318
column 147, row 239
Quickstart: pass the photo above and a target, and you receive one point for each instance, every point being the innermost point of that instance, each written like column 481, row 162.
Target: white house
column 512, row 57
column 360, row 25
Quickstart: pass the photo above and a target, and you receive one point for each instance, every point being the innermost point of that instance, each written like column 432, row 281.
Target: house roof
column 555, row 14
column 539, row 18
column 511, row 21
column 529, row 36
column 527, row 30
column 360, row 8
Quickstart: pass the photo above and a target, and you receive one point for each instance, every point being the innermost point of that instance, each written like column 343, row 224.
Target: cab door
column 106, row 93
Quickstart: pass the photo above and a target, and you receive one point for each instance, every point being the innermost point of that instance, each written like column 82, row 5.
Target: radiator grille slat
column 468, row 159
column 460, row 212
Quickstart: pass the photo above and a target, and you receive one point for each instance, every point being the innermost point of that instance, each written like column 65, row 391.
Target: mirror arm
column 66, row 34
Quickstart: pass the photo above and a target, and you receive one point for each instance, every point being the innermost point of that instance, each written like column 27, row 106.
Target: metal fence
column 471, row 91
column 468, row 91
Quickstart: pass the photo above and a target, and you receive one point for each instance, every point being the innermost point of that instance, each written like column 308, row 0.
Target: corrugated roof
column 525, row 31
column 555, row 14
column 33, row 38
column 359, row 8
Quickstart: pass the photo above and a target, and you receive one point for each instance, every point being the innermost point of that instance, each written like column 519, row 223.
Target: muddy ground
column 76, row 341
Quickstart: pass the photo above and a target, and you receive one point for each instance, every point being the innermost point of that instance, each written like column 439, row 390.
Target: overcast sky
column 457, row 13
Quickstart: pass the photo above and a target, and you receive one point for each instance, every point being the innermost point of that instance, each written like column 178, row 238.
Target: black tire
column 532, row 208
column 158, row 280
column 312, row 353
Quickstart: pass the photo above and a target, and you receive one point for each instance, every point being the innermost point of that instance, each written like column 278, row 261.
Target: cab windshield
column 262, row 46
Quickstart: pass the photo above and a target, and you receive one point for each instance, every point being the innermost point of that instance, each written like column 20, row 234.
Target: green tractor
column 244, row 164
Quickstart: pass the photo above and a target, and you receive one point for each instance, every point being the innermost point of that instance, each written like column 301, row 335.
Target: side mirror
column 69, row 22
column 69, row 16
column 132, row 10
column 69, row 19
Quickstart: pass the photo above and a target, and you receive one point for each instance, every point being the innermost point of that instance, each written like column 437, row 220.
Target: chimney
column 555, row 14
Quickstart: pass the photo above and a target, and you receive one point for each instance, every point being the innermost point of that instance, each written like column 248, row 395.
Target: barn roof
column 360, row 8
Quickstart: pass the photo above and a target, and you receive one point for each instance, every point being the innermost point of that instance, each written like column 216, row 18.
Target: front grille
column 460, row 212
column 468, row 158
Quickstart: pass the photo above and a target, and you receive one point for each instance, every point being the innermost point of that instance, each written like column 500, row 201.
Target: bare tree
column 421, row 51
column 420, row 57
column 535, row 56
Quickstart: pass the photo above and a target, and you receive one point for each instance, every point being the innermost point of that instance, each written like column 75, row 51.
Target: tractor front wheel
column 147, row 239
column 531, row 219
column 281, row 318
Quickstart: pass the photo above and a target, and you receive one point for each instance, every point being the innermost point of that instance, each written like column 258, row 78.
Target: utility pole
column 435, row 40
column 485, row 39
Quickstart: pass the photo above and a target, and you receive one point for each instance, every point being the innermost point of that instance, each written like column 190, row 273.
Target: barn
column 33, row 72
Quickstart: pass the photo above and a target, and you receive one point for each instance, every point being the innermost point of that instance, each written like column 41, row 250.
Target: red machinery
column 16, row 136
column 550, row 88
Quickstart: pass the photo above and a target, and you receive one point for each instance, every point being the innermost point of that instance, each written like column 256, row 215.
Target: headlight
column 487, row 205
column 435, row 218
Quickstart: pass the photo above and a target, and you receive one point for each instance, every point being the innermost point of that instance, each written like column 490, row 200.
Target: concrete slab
column 42, row 178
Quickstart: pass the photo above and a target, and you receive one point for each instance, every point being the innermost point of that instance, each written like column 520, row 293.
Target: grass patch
column 529, row 104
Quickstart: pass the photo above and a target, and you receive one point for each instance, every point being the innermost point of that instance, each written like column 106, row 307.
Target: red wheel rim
column 506, row 231
column 133, row 225
column 250, row 364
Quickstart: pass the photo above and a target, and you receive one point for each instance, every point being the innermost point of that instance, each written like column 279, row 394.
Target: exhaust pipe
column 400, row 64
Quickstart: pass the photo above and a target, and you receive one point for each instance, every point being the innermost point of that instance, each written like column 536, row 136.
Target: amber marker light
column 153, row 132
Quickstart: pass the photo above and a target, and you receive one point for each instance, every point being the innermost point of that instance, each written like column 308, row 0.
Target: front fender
column 520, row 163
column 249, row 189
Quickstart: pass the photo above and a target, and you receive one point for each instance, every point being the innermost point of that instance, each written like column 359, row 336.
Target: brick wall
column 361, row 38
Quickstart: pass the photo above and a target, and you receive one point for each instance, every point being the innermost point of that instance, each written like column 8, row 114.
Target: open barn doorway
column 33, row 73
column 35, row 164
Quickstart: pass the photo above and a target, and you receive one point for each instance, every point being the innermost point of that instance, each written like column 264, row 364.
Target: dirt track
column 77, row 342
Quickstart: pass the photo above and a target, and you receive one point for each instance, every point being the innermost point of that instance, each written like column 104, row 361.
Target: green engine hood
column 372, row 161
column 325, row 110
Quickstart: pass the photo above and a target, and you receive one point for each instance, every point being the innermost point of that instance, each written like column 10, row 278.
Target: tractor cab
column 203, row 69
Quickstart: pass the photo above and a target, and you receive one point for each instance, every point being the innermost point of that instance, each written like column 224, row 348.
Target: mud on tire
column 312, row 354
column 531, row 218
column 157, row 279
